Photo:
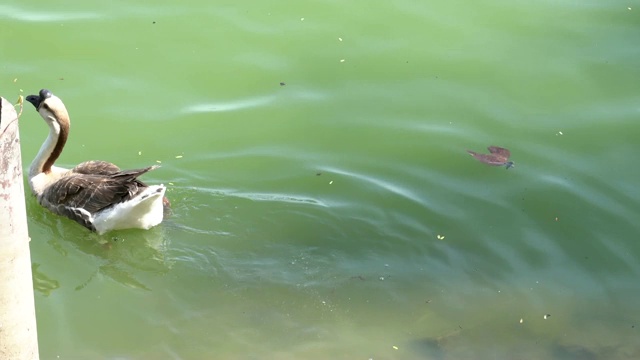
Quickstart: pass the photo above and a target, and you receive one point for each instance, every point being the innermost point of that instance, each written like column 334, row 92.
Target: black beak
column 36, row 100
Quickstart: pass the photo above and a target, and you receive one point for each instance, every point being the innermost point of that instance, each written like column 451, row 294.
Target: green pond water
column 324, row 205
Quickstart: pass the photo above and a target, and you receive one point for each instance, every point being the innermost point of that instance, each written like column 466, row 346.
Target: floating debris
column 546, row 316
column 282, row 83
column 440, row 237
column 498, row 157
column 330, row 182
column 521, row 320
column 179, row 157
column 21, row 103
column 395, row 347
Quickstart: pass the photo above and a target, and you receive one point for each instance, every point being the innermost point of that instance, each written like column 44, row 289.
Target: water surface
column 324, row 205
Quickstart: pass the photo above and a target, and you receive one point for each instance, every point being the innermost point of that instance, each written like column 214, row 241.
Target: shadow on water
column 125, row 253
column 455, row 346
column 121, row 255
column 42, row 282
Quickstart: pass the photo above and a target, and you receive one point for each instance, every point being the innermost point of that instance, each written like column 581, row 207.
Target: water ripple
column 287, row 198
column 15, row 13
column 230, row 105
column 280, row 198
column 393, row 188
column 256, row 101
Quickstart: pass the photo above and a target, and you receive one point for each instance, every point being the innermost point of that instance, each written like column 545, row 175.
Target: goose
column 96, row 194
column 497, row 157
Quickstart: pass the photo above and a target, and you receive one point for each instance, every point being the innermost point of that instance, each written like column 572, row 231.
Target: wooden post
column 18, row 333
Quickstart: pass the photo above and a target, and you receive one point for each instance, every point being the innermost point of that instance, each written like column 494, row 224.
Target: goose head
column 55, row 115
column 51, row 108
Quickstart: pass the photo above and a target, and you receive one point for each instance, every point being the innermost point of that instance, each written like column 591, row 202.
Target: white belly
column 142, row 212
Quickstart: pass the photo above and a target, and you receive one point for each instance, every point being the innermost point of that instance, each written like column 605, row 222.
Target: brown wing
column 94, row 192
column 96, row 167
column 500, row 151
column 489, row 159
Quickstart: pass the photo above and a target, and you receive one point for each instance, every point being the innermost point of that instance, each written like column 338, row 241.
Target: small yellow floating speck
column 171, row 183
column 521, row 320
column 139, row 152
column 340, row 38
column 159, row 162
column 179, row 157
column 440, row 237
column 15, row 80
column 341, row 60
column 395, row 347
column 330, row 182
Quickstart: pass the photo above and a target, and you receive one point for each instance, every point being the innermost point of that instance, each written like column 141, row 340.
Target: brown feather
column 95, row 192
column 96, row 167
column 493, row 159
column 500, row 151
